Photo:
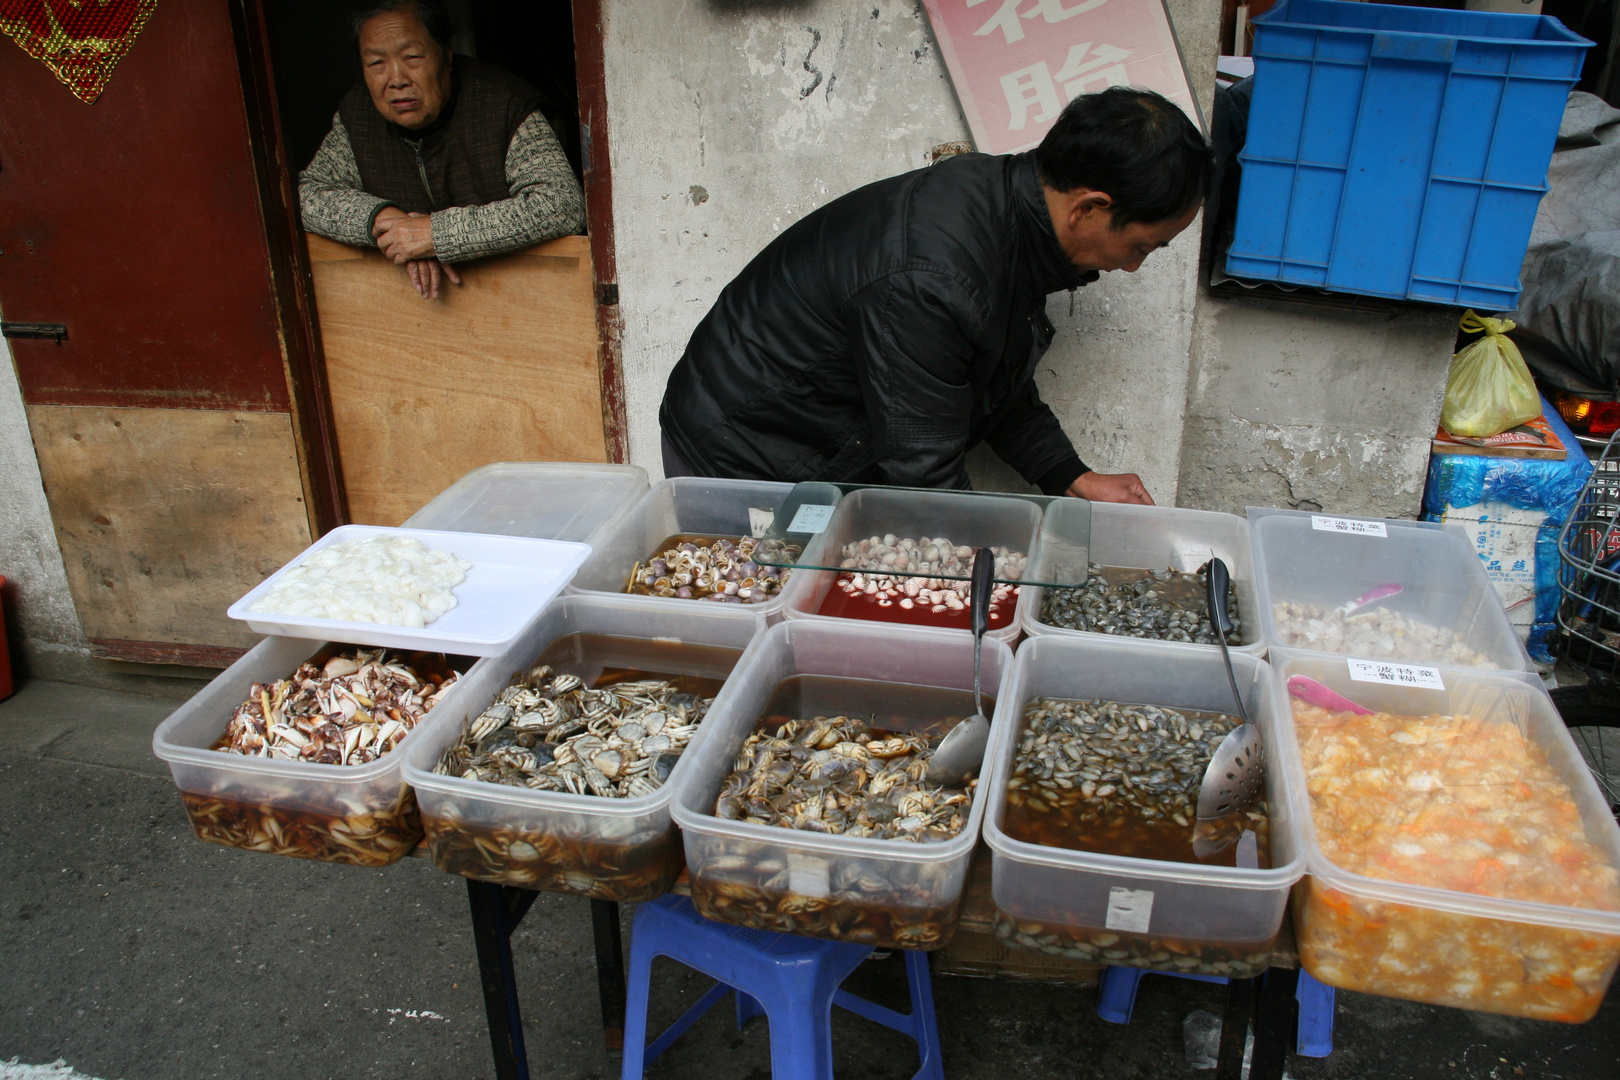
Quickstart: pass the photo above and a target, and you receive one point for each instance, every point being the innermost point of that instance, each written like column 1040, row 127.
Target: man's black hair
column 434, row 15
column 1134, row 145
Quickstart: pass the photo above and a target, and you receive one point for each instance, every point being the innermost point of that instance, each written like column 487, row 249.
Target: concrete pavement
column 135, row 952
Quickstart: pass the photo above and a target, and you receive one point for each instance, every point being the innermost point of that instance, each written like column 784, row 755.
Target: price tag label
column 1349, row 526
column 1187, row 556
column 1130, row 910
column 760, row 521
column 807, row 875
column 810, row 519
column 1380, row 671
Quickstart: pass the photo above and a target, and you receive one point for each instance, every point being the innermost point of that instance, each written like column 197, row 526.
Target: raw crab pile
column 549, row 732
column 836, row 775
column 352, row 710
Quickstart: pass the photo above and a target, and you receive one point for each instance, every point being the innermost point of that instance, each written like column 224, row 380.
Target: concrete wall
column 730, row 121
column 1311, row 407
column 44, row 626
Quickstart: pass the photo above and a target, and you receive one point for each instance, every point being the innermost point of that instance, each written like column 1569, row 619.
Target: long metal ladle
column 1237, row 771
column 957, row 758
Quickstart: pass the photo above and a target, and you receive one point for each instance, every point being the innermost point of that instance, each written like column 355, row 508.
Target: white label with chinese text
column 1130, row 910
column 810, row 519
column 1380, row 671
column 760, row 521
column 1349, row 526
column 807, row 875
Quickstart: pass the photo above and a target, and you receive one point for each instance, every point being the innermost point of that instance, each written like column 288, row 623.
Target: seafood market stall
column 554, row 679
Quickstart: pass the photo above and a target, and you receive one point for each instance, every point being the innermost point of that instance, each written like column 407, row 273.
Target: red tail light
column 1584, row 416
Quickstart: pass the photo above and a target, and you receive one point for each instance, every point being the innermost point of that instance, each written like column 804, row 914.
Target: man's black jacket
column 882, row 336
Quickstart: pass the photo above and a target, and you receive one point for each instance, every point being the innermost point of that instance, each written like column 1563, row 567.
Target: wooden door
column 163, row 424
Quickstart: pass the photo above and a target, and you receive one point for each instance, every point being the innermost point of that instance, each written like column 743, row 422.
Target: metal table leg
column 1275, row 1024
column 1241, row 995
column 609, row 970
column 496, row 912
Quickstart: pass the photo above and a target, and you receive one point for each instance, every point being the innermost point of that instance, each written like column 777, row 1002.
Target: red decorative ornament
column 81, row 41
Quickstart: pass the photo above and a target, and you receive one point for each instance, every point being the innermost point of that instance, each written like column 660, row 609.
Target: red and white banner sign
column 1016, row 63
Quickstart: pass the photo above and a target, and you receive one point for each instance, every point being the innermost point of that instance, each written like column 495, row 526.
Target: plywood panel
column 500, row 368
column 167, row 516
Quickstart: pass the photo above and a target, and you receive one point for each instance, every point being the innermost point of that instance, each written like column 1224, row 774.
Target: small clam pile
column 1166, row 605
column 722, row 570
column 837, row 775
column 1380, row 634
column 895, row 570
column 352, row 710
column 1110, row 777
column 549, row 732
column 1239, row 960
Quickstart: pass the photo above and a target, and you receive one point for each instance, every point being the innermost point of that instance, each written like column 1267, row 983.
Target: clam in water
column 900, row 572
column 710, row 568
column 1238, row 960
column 1166, row 605
column 1379, row 633
column 1122, row 779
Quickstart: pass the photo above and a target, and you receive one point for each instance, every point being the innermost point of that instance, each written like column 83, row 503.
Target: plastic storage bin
column 964, row 518
column 610, row 849
column 888, row 893
column 359, row 814
column 1200, row 919
column 548, row 500
column 1444, row 947
column 686, row 504
column 1398, row 151
column 1299, row 558
column 1074, row 532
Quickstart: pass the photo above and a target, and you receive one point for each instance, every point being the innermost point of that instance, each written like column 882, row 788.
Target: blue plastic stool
column 1315, row 1035
column 793, row 981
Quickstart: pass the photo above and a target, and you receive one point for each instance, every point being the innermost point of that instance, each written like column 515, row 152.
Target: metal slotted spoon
column 957, row 758
column 1237, row 771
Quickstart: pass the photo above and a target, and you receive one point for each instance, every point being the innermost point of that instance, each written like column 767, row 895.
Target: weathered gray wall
column 1312, row 407
column 50, row 640
column 730, row 121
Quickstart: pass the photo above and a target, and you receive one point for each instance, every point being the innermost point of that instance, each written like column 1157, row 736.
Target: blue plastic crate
column 1399, row 151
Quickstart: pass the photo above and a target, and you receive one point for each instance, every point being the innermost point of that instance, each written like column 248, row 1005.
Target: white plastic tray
column 511, row 581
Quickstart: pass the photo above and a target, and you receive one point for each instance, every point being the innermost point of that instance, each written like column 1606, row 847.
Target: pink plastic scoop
column 1381, row 592
column 1312, row 692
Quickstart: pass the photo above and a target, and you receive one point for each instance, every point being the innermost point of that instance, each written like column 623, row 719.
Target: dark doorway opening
column 313, row 50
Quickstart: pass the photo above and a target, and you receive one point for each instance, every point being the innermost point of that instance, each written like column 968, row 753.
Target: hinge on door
column 39, row 331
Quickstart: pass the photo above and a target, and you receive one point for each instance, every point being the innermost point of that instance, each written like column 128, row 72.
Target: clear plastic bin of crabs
column 1098, row 854
column 299, row 747
column 1458, row 851
column 560, row 775
column 808, row 811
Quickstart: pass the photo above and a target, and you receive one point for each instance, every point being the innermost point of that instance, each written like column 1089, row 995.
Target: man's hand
column 407, row 237
column 1111, row 487
column 425, row 276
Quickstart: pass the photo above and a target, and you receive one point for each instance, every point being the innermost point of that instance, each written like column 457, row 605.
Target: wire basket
column 1589, row 572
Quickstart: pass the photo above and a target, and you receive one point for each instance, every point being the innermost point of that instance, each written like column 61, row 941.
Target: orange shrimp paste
column 1466, row 805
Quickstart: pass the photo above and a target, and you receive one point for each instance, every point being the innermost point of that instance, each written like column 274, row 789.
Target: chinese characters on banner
column 1016, row 63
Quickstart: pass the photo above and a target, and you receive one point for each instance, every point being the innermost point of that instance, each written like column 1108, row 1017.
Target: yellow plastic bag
column 1489, row 389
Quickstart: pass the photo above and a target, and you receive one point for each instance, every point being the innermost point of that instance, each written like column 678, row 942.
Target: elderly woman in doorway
column 435, row 158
